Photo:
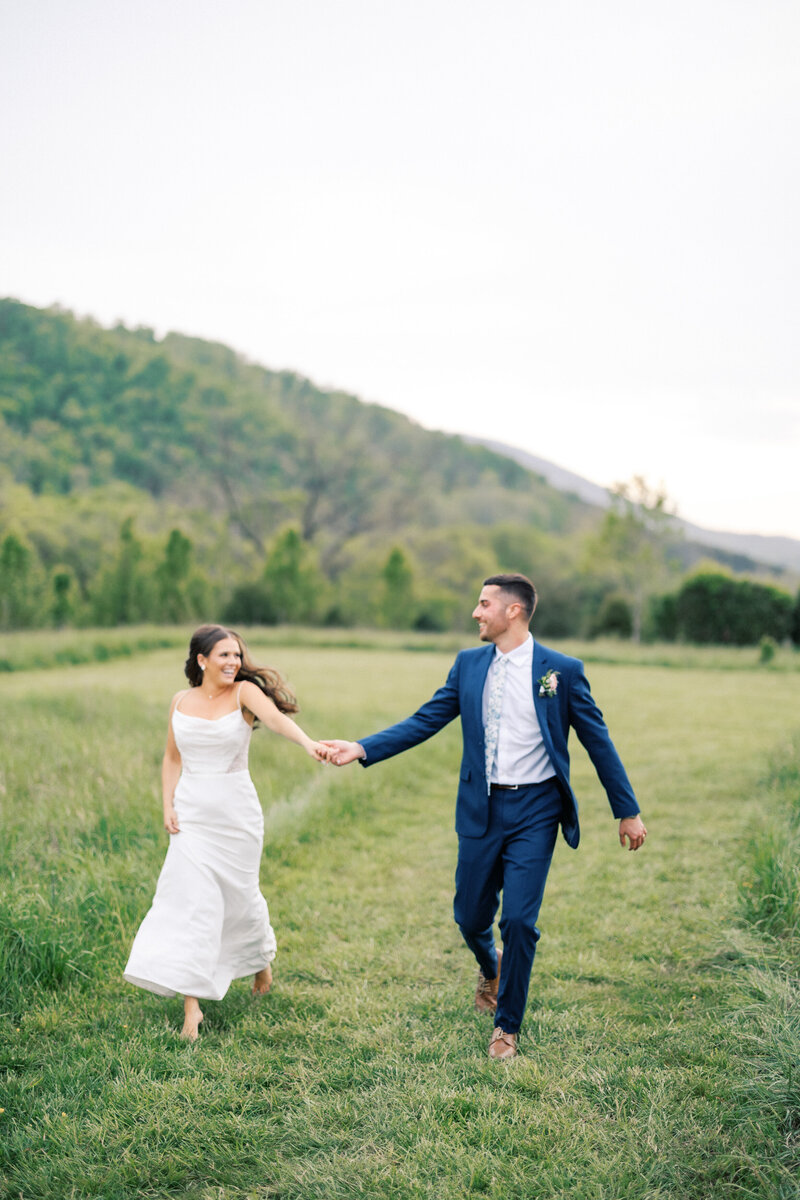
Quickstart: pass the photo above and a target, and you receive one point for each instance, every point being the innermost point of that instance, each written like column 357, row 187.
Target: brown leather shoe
column 486, row 991
column 503, row 1045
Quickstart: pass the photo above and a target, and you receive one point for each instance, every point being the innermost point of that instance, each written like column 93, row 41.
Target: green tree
column 18, row 590
column 664, row 617
column 173, row 578
column 614, row 618
column 397, row 592
column 632, row 548
column 795, row 634
column 294, row 587
column 249, row 604
column 121, row 594
column 64, row 596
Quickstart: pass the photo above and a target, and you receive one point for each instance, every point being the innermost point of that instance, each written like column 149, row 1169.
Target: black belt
column 517, row 787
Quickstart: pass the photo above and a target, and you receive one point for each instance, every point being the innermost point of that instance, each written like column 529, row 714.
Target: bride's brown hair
column 270, row 682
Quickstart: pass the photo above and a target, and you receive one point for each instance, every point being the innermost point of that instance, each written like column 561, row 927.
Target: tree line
column 160, row 581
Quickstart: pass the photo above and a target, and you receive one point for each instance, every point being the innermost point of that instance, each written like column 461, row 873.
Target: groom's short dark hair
column 518, row 586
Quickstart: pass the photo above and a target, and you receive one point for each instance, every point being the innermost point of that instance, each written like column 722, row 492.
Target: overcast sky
column 566, row 225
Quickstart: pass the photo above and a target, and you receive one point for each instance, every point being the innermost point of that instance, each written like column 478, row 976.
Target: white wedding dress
column 208, row 923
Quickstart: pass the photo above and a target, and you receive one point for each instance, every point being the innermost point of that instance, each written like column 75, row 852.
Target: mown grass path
column 364, row 1073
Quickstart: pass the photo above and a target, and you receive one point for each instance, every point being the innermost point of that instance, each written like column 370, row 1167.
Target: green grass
column 770, row 890
column 660, row 1045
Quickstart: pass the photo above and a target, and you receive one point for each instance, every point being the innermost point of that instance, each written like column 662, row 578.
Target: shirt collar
column 521, row 655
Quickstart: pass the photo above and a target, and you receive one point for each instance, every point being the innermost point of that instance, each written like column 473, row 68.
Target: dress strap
column 180, row 696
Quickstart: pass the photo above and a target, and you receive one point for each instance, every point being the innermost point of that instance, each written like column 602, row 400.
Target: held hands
column 340, row 753
column 633, row 829
column 335, row 752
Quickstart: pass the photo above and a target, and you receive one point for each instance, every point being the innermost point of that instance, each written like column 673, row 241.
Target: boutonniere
column 548, row 684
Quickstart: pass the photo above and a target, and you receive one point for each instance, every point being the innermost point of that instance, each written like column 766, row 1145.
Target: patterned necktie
column 493, row 710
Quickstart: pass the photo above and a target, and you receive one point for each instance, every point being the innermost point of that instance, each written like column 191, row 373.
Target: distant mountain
column 129, row 462
column 110, row 439
column 780, row 552
column 193, row 424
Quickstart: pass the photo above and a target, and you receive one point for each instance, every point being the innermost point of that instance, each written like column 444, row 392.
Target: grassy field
column 659, row 1052
column 43, row 648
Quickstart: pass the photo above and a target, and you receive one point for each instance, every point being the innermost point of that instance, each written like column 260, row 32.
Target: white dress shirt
column 521, row 755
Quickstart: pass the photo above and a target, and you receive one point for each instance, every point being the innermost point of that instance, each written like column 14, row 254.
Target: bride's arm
column 260, row 705
column 170, row 774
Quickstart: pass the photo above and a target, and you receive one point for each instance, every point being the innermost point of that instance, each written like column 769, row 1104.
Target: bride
column 209, row 923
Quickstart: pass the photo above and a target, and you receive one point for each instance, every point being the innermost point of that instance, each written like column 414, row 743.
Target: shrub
column 714, row 608
column 615, row 617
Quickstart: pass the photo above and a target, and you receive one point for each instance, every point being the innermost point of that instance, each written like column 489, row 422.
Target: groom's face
column 492, row 613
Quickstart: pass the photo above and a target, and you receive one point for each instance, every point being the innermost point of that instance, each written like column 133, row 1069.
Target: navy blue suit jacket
column 571, row 706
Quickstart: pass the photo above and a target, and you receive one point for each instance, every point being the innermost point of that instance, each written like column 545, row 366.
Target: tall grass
column 769, row 1022
column 770, row 890
column 657, row 1049
column 44, row 648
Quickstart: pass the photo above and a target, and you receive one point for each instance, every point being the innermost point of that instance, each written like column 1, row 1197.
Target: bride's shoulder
column 253, row 698
column 248, row 688
column 176, row 699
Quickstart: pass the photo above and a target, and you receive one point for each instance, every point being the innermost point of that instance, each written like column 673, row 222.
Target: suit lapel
column 542, row 704
column 482, row 664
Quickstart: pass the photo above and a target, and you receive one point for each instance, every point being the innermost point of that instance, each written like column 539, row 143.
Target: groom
column 517, row 700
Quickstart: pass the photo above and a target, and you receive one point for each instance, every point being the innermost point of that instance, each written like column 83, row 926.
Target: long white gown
column 208, row 923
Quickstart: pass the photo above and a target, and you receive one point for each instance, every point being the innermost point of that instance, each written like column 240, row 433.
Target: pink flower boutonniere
column 548, row 684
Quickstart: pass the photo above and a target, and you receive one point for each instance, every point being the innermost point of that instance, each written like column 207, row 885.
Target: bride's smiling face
column 222, row 663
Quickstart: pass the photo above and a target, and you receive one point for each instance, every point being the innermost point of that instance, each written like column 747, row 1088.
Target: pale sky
column 562, row 224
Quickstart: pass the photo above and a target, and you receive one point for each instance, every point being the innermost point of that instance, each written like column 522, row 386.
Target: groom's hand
column 341, row 753
column 633, row 829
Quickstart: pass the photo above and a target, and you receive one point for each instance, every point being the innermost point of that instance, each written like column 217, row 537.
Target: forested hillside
column 146, row 479
column 179, row 462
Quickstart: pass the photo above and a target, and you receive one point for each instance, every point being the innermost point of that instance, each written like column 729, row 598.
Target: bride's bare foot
column 192, row 1016
column 262, row 982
